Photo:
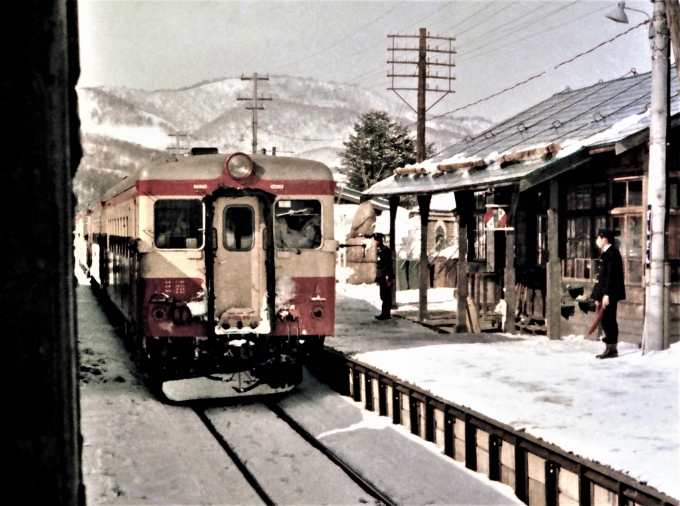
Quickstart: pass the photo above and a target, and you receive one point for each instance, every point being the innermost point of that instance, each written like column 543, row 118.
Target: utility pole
column 255, row 104
column 177, row 143
column 652, row 335
column 423, row 62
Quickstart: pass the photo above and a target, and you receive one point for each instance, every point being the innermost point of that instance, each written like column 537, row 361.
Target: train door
column 239, row 269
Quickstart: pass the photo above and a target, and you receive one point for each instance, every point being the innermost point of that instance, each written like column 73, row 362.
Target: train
column 221, row 268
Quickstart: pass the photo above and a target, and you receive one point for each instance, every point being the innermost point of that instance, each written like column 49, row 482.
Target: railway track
column 256, row 477
column 539, row 473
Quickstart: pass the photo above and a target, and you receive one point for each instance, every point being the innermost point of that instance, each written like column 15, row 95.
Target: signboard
column 496, row 218
column 648, row 242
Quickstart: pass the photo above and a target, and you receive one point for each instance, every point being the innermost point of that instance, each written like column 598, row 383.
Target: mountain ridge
column 122, row 127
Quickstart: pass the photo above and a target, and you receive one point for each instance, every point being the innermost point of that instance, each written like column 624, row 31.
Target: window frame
column 201, row 229
column 594, row 211
column 321, row 223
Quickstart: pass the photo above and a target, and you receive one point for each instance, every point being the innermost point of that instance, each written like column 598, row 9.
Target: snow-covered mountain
column 122, row 128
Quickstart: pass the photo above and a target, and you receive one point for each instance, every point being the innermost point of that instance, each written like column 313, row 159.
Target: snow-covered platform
column 622, row 413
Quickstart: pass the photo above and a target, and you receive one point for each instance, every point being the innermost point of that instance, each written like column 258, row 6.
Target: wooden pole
column 554, row 281
column 424, row 271
column 422, row 80
column 394, row 205
column 510, row 324
column 462, row 279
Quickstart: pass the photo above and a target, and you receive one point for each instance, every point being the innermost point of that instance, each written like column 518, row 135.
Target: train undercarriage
column 183, row 368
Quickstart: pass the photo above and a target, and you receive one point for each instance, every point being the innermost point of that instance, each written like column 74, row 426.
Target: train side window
column 297, row 224
column 178, row 224
column 239, row 226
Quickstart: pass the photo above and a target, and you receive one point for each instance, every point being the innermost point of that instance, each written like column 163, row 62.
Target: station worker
column 609, row 290
column 384, row 276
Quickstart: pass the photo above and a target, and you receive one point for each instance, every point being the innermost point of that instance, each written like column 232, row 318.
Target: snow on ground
column 135, row 449
column 439, row 299
column 621, row 412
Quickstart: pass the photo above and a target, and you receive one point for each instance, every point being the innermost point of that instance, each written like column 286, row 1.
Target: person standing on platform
column 609, row 290
column 384, row 276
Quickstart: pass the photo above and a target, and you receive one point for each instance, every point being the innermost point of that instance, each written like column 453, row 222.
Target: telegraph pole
column 653, row 332
column 423, row 62
column 255, row 104
column 177, row 143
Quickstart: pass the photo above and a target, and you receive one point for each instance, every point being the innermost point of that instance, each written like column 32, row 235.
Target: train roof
column 210, row 167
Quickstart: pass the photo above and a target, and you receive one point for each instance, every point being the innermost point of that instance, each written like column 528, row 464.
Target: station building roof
column 556, row 135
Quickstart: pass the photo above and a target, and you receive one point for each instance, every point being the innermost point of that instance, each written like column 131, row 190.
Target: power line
column 490, row 4
column 549, row 29
column 514, row 122
column 490, row 96
column 423, row 19
column 487, row 19
column 332, row 62
column 515, row 29
column 340, row 41
column 603, row 43
column 538, row 75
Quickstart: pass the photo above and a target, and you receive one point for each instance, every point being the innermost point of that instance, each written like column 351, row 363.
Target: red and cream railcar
column 223, row 267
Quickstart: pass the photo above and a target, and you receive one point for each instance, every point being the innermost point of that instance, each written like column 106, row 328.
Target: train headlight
column 239, row 165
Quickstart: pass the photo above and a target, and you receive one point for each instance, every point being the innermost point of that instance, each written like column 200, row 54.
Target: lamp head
column 618, row 14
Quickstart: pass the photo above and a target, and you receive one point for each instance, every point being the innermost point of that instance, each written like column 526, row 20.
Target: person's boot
column 383, row 317
column 609, row 352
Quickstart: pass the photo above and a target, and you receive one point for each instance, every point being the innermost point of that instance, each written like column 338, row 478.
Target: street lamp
column 618, row 13
column 652, row 335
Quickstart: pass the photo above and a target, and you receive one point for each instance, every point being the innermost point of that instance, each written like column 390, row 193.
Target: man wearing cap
column 609, row 290
column 384, row 276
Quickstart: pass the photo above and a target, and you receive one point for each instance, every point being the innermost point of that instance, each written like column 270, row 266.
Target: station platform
column 622, row 412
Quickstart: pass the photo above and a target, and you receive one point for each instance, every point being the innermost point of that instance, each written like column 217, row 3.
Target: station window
column 479, row 238
column 178, row 224
column 239, row 227
column 477, row 234
column 627, row 193
column 578, row 263
column 627, row 222
column 439, row 238
column 628, row 228
column 297, row 224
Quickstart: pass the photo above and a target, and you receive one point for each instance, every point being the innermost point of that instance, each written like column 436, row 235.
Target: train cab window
column 297, row 224
column 239, row 226
column 178, row 224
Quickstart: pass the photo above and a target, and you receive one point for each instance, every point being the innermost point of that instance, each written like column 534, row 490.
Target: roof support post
column 554, row 274
column 509, row 280
column 463, row 206
column 423, row 270
column 394, row 205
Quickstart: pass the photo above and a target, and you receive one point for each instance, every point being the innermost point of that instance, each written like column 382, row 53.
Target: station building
column 531, row 193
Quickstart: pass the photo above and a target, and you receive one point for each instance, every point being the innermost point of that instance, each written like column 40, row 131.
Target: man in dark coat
column 609, row 290
column 384, row 276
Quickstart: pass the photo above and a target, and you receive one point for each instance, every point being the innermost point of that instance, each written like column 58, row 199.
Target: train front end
column 237, row 273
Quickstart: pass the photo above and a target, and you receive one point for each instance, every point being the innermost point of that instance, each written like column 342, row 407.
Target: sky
column 171, row 44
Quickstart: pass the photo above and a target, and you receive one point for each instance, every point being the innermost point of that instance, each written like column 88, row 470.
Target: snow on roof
column 599, row 115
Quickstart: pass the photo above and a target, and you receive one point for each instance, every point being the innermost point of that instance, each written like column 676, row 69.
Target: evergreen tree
column 379, row 147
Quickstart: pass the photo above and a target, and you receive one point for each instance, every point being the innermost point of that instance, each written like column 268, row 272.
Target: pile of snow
column 623, row 413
